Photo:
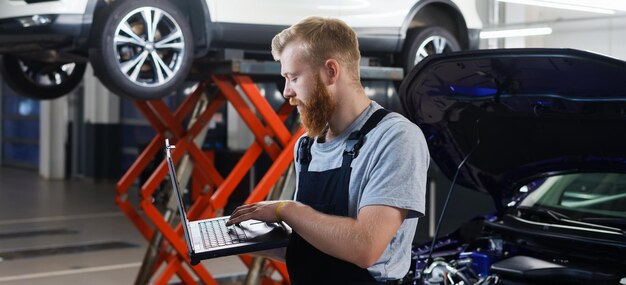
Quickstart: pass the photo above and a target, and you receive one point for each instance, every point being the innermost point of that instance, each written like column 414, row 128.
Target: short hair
column 322, row 39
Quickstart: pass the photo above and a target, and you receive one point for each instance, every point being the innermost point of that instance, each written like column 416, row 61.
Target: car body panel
column 357, row 13
column 19, row 8
column 283, row 13
column 470, row 14
column 380, row 25
column 522, row 113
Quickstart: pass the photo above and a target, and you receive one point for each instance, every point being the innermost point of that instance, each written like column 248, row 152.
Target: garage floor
column 71, row 232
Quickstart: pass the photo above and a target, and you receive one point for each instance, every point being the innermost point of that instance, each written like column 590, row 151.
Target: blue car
column 543, row 132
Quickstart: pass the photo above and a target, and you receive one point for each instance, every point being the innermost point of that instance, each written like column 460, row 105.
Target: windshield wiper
column 609, row 221
column 541, row 214
column 544, row 213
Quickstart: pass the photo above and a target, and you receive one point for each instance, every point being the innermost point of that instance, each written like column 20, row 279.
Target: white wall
column 570, row 29
column 101, row 106
column 604, row 36
column 53, row 120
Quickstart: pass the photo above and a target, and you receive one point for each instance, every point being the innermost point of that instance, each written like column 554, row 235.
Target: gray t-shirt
column 389, row 170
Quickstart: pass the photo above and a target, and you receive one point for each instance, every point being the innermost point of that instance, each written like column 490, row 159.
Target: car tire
column 423, row 42
column 41, row 80
column 149, row 64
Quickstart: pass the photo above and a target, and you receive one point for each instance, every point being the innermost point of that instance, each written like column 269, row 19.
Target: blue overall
column 326, row 192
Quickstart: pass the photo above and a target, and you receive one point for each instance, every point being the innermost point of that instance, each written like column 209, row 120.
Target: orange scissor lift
column 271, row 137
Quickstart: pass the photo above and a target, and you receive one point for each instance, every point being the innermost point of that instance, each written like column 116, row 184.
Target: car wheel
column 427, row 41
column 41, row 80
column 143, row 49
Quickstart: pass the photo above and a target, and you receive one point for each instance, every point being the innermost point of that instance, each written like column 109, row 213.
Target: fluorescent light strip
column 559, row 5
column 515, row 33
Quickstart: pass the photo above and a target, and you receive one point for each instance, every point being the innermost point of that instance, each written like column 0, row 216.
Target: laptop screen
column 177, row 192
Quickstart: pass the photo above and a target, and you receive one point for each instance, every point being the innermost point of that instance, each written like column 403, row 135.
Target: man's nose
column 288, row 92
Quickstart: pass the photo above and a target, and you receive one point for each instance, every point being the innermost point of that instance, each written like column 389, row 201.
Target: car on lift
column 144, row 49
column 542, row 131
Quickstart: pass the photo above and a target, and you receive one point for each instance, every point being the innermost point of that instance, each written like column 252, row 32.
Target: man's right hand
column 263, row 211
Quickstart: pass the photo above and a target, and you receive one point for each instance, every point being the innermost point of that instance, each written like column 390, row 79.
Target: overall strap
column 357, row 138
column 354, row 144
column 355, row 141
column 303, row 156
column 326, row 191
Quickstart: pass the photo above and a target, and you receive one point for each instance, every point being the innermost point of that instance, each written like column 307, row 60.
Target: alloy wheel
column 432, row 45
column 46, row 74
column 150, row 46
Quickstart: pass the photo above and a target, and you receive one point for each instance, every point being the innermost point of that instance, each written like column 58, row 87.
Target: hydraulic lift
column 231, row 81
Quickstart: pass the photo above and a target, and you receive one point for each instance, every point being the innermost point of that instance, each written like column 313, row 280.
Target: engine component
column 440, row 272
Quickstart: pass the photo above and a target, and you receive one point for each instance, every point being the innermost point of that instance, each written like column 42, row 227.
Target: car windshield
column 583, row 196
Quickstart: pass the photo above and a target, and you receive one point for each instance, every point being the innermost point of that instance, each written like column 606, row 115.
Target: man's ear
column 332, row 69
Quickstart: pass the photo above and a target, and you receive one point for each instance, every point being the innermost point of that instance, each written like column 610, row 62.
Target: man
column 358, row 196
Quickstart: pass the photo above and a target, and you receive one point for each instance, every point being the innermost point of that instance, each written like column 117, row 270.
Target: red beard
column 317, row 112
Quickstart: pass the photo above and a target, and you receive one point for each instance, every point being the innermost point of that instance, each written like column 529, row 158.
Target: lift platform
column 232, row 81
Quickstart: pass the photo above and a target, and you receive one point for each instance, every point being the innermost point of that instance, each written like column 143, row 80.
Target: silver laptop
column 211, row 238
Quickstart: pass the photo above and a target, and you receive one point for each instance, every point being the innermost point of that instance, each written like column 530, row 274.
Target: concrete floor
column 71, row 232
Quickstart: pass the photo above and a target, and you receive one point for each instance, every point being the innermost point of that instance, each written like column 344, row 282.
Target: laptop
column 211, row 238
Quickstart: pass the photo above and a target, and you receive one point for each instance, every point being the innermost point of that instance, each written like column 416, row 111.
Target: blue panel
column 21, row 153
column 20, row 129
column 128, row 110
column 128, row 160
column 133, row 136
column 19, row 106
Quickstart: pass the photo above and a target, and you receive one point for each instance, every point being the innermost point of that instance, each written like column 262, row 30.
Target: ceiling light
column 509, row 33
column 602, row 7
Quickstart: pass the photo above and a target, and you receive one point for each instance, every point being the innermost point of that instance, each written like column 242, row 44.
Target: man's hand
column 368, row 235
column 263, row 211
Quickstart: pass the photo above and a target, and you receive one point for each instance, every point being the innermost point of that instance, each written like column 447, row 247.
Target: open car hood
column 521, row 113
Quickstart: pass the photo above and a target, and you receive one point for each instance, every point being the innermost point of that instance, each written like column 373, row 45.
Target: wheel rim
column 151, row 56
column 432, row 45
column 47, row 74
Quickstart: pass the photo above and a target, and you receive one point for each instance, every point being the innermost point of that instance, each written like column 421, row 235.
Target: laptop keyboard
column 216, row 233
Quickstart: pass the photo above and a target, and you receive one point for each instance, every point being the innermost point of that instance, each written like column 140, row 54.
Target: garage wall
column 599, row 33
column 100, row 142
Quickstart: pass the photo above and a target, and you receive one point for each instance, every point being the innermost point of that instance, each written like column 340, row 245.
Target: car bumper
column 39, row 32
